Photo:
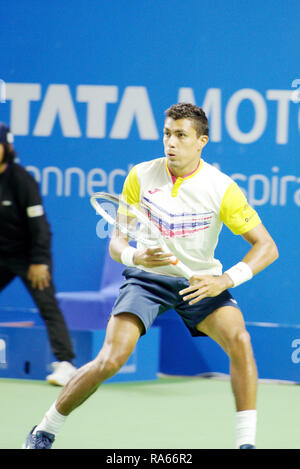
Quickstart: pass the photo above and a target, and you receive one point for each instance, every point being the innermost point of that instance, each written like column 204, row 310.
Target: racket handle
column 187, row 273
column 174, row 260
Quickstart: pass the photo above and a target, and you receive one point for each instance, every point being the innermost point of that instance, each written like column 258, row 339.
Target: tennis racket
column 132, row 221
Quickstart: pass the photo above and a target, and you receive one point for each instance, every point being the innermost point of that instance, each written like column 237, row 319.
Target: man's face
column 182, row 146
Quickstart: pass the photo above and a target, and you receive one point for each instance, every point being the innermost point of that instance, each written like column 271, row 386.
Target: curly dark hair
column 190, row 111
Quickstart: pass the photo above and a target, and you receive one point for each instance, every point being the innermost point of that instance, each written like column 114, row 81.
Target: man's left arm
column 243, row 220
column 264, row 250
column 262, row 253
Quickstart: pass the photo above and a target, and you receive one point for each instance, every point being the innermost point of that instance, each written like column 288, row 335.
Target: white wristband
column 239, row 273
column 127, row 256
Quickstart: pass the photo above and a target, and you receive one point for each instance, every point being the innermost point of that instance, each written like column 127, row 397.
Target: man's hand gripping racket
column 133, row 222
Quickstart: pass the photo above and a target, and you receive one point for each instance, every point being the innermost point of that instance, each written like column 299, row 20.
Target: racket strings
column 128, row 219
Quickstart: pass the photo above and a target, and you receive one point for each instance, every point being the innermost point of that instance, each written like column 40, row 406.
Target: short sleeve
column 235, row 211
column 131, row 191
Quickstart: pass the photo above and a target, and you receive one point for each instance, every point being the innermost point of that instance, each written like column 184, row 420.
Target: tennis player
column 189, row 200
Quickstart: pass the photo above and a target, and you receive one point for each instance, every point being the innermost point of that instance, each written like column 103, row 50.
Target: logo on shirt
column 6, row 203
column 153, row 191
column 248, row 213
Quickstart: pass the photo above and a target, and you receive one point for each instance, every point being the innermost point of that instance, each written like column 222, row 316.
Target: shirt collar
column 187, row 176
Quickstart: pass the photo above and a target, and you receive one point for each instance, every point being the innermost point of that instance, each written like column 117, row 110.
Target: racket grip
column 187, row 273
column 174, row 260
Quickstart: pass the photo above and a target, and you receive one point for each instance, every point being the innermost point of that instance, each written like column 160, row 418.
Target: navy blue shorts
column 148, row 295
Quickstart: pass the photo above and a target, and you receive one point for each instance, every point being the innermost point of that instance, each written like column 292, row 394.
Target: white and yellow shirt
column 190, row 211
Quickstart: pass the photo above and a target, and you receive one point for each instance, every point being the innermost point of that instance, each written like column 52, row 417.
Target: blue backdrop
column 84, row 86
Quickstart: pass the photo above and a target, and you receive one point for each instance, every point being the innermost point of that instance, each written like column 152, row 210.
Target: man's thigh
column 222, row 324
column 122, row 333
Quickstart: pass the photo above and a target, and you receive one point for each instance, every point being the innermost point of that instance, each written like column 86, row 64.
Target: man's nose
column 171, row 142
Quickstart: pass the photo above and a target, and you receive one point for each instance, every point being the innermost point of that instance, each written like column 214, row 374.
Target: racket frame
column 187, row 273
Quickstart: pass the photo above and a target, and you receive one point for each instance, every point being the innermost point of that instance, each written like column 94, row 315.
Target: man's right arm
column 122, row 252
column 119, row 247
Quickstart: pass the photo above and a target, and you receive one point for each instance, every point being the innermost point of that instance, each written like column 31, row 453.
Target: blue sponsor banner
column 25, row 353
column 84, row 86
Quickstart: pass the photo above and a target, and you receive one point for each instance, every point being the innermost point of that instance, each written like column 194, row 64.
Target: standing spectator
column 25, row 252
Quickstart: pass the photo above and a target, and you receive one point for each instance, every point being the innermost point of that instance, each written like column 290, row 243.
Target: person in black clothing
column 25, row 251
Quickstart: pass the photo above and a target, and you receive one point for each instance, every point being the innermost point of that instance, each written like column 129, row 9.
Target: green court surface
column 170, row 413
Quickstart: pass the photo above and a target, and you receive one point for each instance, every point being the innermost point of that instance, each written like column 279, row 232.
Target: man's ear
column 203, row 139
